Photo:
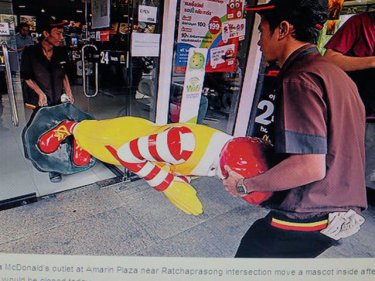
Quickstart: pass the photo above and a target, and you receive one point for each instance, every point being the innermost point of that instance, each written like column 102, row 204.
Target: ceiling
column 65, row 9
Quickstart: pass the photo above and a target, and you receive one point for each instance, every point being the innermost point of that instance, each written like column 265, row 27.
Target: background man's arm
column 42, row 98
column 348, row 63
column 67, row 89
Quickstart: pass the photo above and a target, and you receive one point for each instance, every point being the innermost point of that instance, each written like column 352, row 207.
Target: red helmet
column 246, row 156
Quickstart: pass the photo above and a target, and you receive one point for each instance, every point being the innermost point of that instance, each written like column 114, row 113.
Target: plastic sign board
column 193, row 85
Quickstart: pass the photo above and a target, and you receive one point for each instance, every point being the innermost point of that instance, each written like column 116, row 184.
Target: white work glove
column 343, row 224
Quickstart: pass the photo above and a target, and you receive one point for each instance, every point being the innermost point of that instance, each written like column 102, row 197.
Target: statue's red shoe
column 49, row 142
column 80, row 156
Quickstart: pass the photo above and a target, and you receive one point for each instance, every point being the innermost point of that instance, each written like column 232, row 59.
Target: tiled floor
column 131, row 219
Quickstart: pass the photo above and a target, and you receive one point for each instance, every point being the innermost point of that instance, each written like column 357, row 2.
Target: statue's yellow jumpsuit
column 161, row 154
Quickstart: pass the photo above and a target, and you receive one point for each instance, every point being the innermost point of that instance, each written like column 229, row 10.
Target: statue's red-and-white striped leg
column 156, row 177
column 174, row 146
column 186, row 179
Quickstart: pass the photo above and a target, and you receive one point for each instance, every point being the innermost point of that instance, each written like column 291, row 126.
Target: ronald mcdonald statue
column 63, row 139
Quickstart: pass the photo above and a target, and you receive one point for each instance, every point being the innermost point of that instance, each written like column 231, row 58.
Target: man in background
column 352, row 48
column 44, row 70
column 23, row 39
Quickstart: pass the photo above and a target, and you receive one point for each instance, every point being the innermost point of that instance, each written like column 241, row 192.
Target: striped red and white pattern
column 173, row 146
column 154, row 175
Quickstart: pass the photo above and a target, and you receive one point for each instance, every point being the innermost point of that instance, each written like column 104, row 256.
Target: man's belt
column 299, row 226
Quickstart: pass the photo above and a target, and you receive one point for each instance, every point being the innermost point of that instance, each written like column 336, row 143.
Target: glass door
column 15, row 173
column 122, row 61
column 126, row 86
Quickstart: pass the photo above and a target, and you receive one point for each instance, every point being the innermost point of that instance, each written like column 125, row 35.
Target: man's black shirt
column 48, row 75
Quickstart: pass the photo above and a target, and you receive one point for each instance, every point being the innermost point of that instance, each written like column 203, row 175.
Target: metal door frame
column 9, row 82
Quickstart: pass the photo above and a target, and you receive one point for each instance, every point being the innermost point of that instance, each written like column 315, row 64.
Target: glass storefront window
column 225, row 30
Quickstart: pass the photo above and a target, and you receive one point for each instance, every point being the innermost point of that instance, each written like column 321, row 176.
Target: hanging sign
column 210, row 24
column 193, row 85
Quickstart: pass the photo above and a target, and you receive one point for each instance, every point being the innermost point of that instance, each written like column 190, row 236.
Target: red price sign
column 214, row 25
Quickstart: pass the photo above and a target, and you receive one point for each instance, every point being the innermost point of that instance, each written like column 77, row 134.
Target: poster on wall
column 4, row 28
column 217, row 25
column 334, row 9
column 30, row 20
column 7, row 32
column 10, row 20
column 193, row 85
column 100, row 10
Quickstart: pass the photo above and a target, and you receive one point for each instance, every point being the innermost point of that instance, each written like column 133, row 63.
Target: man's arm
column 19, row 49
column 67, row 89
column 25, row 43
column 294, row 171
column 348, row 63
column 42, row 98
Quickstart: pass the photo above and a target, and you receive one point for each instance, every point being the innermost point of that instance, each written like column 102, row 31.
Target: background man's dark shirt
column 48, row 75
column 356, row 38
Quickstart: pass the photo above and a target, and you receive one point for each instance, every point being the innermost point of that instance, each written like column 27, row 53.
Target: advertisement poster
column 334, row 10
column 217, row 25
column 10, row 21
column 193, row 85
column 30, row 20
column 7, row 32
